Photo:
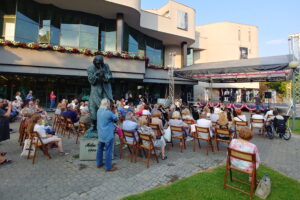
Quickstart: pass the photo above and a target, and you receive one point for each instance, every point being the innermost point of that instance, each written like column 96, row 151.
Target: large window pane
column 27, row 30
column 133, row 46
column 70, row 35
column 9, row 24
column 190, row 57
column 44, row 32
column 88, row 37
column 110, row 41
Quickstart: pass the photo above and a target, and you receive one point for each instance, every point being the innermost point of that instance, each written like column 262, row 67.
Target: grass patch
column 75, row 156
column 209, row 185
column 297, row 125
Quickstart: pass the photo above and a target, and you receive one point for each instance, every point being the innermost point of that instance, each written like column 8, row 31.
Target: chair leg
column 136, row 149
column 194, row 144
column 199, row 143
column 181, row 145
column 148, row 158
column 211, row 145
column 207, row 147
column 30, row 145
column 230, row 173
column 155, row 155
column 226, row 174
column 34, row 155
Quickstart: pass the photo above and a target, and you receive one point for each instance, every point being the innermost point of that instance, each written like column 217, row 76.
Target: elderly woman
column 130, row 124
column 239, row 117
column 186, row 114
column 243, row 144
column 156, row 119
column 158, row 142
column 105, row 127
column 36, row 124
column 177, row 121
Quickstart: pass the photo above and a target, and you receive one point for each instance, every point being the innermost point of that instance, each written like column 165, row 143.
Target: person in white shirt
column 19, row 98
column 204, row 122
column 269, row 113
column 131, row 124
column 257, row 115
column 36, row 125
column 214, row 117
column 239, row 116
column 146, row 110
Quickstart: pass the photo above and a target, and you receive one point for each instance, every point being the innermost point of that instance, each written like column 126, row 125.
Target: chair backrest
column 241, row 123
column 146, row 139
column 129, row 134
column 36, row 139
column 82, row 127
column 204, row 130
column 176, row 128
column 259, row 121
column 222, row 132
column 250, row 157
column 189, row 121
column 214, row 124
column 156, row 129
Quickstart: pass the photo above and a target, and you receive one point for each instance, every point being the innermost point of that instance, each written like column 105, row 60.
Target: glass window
column 44, row 32
column 70, row 35
column 155, row 55
column 108, row 36
column 244, row 53
column 133, row 46
column 190, row 57
column 182, row 20
column 27, row 30
column 9, row 23
column 88, row 37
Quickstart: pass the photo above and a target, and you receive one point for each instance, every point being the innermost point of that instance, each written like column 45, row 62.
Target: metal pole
column 294, row 98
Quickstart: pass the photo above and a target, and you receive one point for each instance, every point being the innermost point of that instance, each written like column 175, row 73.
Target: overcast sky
column 276, row 19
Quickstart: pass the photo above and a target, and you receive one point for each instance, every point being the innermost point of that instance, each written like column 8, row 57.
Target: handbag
column 167, row 134
column 26, row 148
column 264, row 187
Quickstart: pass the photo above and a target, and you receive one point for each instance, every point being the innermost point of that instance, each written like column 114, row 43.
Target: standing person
column 257, row 101
column 19, row 98
column 105, row 128
column 29, row 97
column 52, row 100
column 5, row 111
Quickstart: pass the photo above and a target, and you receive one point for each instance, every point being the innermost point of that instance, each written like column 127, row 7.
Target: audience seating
column 144, row 138
column 81, row 130
column 22, row 132
column 238, row 124
column 222, row 135
column 70, row 128
column 229, row 167
column 38, row 144
column 258, row 121
column 180, row 137
column 199, row 137
column 131, row 146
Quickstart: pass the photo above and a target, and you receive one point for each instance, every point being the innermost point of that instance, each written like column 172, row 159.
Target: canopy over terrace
column 264, row 69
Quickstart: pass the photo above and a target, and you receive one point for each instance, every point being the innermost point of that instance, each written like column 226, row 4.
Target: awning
column 263, row 69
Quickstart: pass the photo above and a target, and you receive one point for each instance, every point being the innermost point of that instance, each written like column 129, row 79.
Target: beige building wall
column 168, row 58
column 222, row 41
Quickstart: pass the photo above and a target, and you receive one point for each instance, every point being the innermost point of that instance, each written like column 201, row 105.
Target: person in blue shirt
column 29, row 97
column 105, row 128
column 71, row 114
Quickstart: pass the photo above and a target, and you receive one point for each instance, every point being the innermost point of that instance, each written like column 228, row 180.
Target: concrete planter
column 88, row 149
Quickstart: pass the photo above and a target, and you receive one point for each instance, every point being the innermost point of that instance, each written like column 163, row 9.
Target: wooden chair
column 229, row 167
column 198, row 137
column 38, row 144
column 80, row 130
column 132, row 146
column 22, row 132
column 180, row 137
column 61, row 125
column 70, row 128
column 146, row 143
column 55, row 121
column 189, row 122
column 156, row 129
column 219, row 137
column 237, row 125
column 260, row 122
column 214, row 124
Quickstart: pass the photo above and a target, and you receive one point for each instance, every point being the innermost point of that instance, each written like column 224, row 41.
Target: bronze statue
column 99, row 76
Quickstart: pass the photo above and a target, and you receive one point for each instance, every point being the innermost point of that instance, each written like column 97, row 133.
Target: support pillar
column 183, row 54
column 120, row 31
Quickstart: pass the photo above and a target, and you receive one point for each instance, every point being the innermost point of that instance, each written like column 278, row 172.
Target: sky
column 276, row 19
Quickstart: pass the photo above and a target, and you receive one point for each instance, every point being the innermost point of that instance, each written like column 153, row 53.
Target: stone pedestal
column 88, row 149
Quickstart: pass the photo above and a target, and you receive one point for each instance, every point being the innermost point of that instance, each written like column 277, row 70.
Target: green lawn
column 297, row 124
column 209, row 185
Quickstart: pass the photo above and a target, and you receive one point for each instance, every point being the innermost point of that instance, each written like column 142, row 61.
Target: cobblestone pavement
column 65, row 177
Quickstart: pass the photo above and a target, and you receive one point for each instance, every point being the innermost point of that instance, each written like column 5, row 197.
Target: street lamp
column 294, row 66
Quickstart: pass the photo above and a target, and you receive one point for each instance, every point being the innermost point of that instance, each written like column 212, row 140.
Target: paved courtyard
column 65, row 177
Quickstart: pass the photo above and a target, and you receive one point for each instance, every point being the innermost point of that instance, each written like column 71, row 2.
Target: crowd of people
column 129, row 116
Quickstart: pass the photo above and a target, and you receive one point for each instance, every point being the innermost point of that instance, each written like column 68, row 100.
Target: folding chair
column 259, row 124
column 62, row 125
column 222, row 135
column 146, row 143
column 132, row 146
column 206, row 137
column 80, row 130
column 180, row 137
column 237, row 125
column 249, row 157
column 55, row 121
column 22, row 132
column 38, row 143
column 69, row 127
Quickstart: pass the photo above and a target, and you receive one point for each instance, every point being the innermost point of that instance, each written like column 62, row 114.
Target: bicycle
column 281, row 132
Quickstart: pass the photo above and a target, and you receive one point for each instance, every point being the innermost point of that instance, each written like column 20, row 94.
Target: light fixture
column 294, row 64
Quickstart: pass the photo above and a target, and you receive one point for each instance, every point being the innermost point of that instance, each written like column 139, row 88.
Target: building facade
column 48, row 45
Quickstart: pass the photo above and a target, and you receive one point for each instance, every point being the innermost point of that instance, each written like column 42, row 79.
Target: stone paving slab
column 64, row 177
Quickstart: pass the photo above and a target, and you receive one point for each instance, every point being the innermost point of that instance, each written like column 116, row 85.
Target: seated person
column 215, row 116
column 36, row 125
column 156, row 119
column 157, row 142
column 269, row 113
column 206, row 123
column 257, row 115
column 3, row 160
column 239, row 117
column 177, row 121
column 278, row 122
column 70, row 113
column 186, row 114
column 222, row 122
column 146, row 110
column 243, row 144
column 130, row 124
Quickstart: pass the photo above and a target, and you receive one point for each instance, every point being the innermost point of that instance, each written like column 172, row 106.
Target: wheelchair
column 279, row 128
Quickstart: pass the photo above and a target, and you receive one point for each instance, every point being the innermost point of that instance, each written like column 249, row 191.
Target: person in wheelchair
column 278, row 123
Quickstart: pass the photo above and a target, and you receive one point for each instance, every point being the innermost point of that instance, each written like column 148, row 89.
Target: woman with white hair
column 105, row 126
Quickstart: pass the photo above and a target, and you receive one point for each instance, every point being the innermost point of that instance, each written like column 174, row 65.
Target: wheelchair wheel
column 287, row 135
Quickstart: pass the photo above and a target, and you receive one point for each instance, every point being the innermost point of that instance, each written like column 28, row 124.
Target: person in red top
column 52, row 100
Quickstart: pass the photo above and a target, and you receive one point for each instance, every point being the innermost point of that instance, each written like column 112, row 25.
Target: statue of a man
column 99, row 76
